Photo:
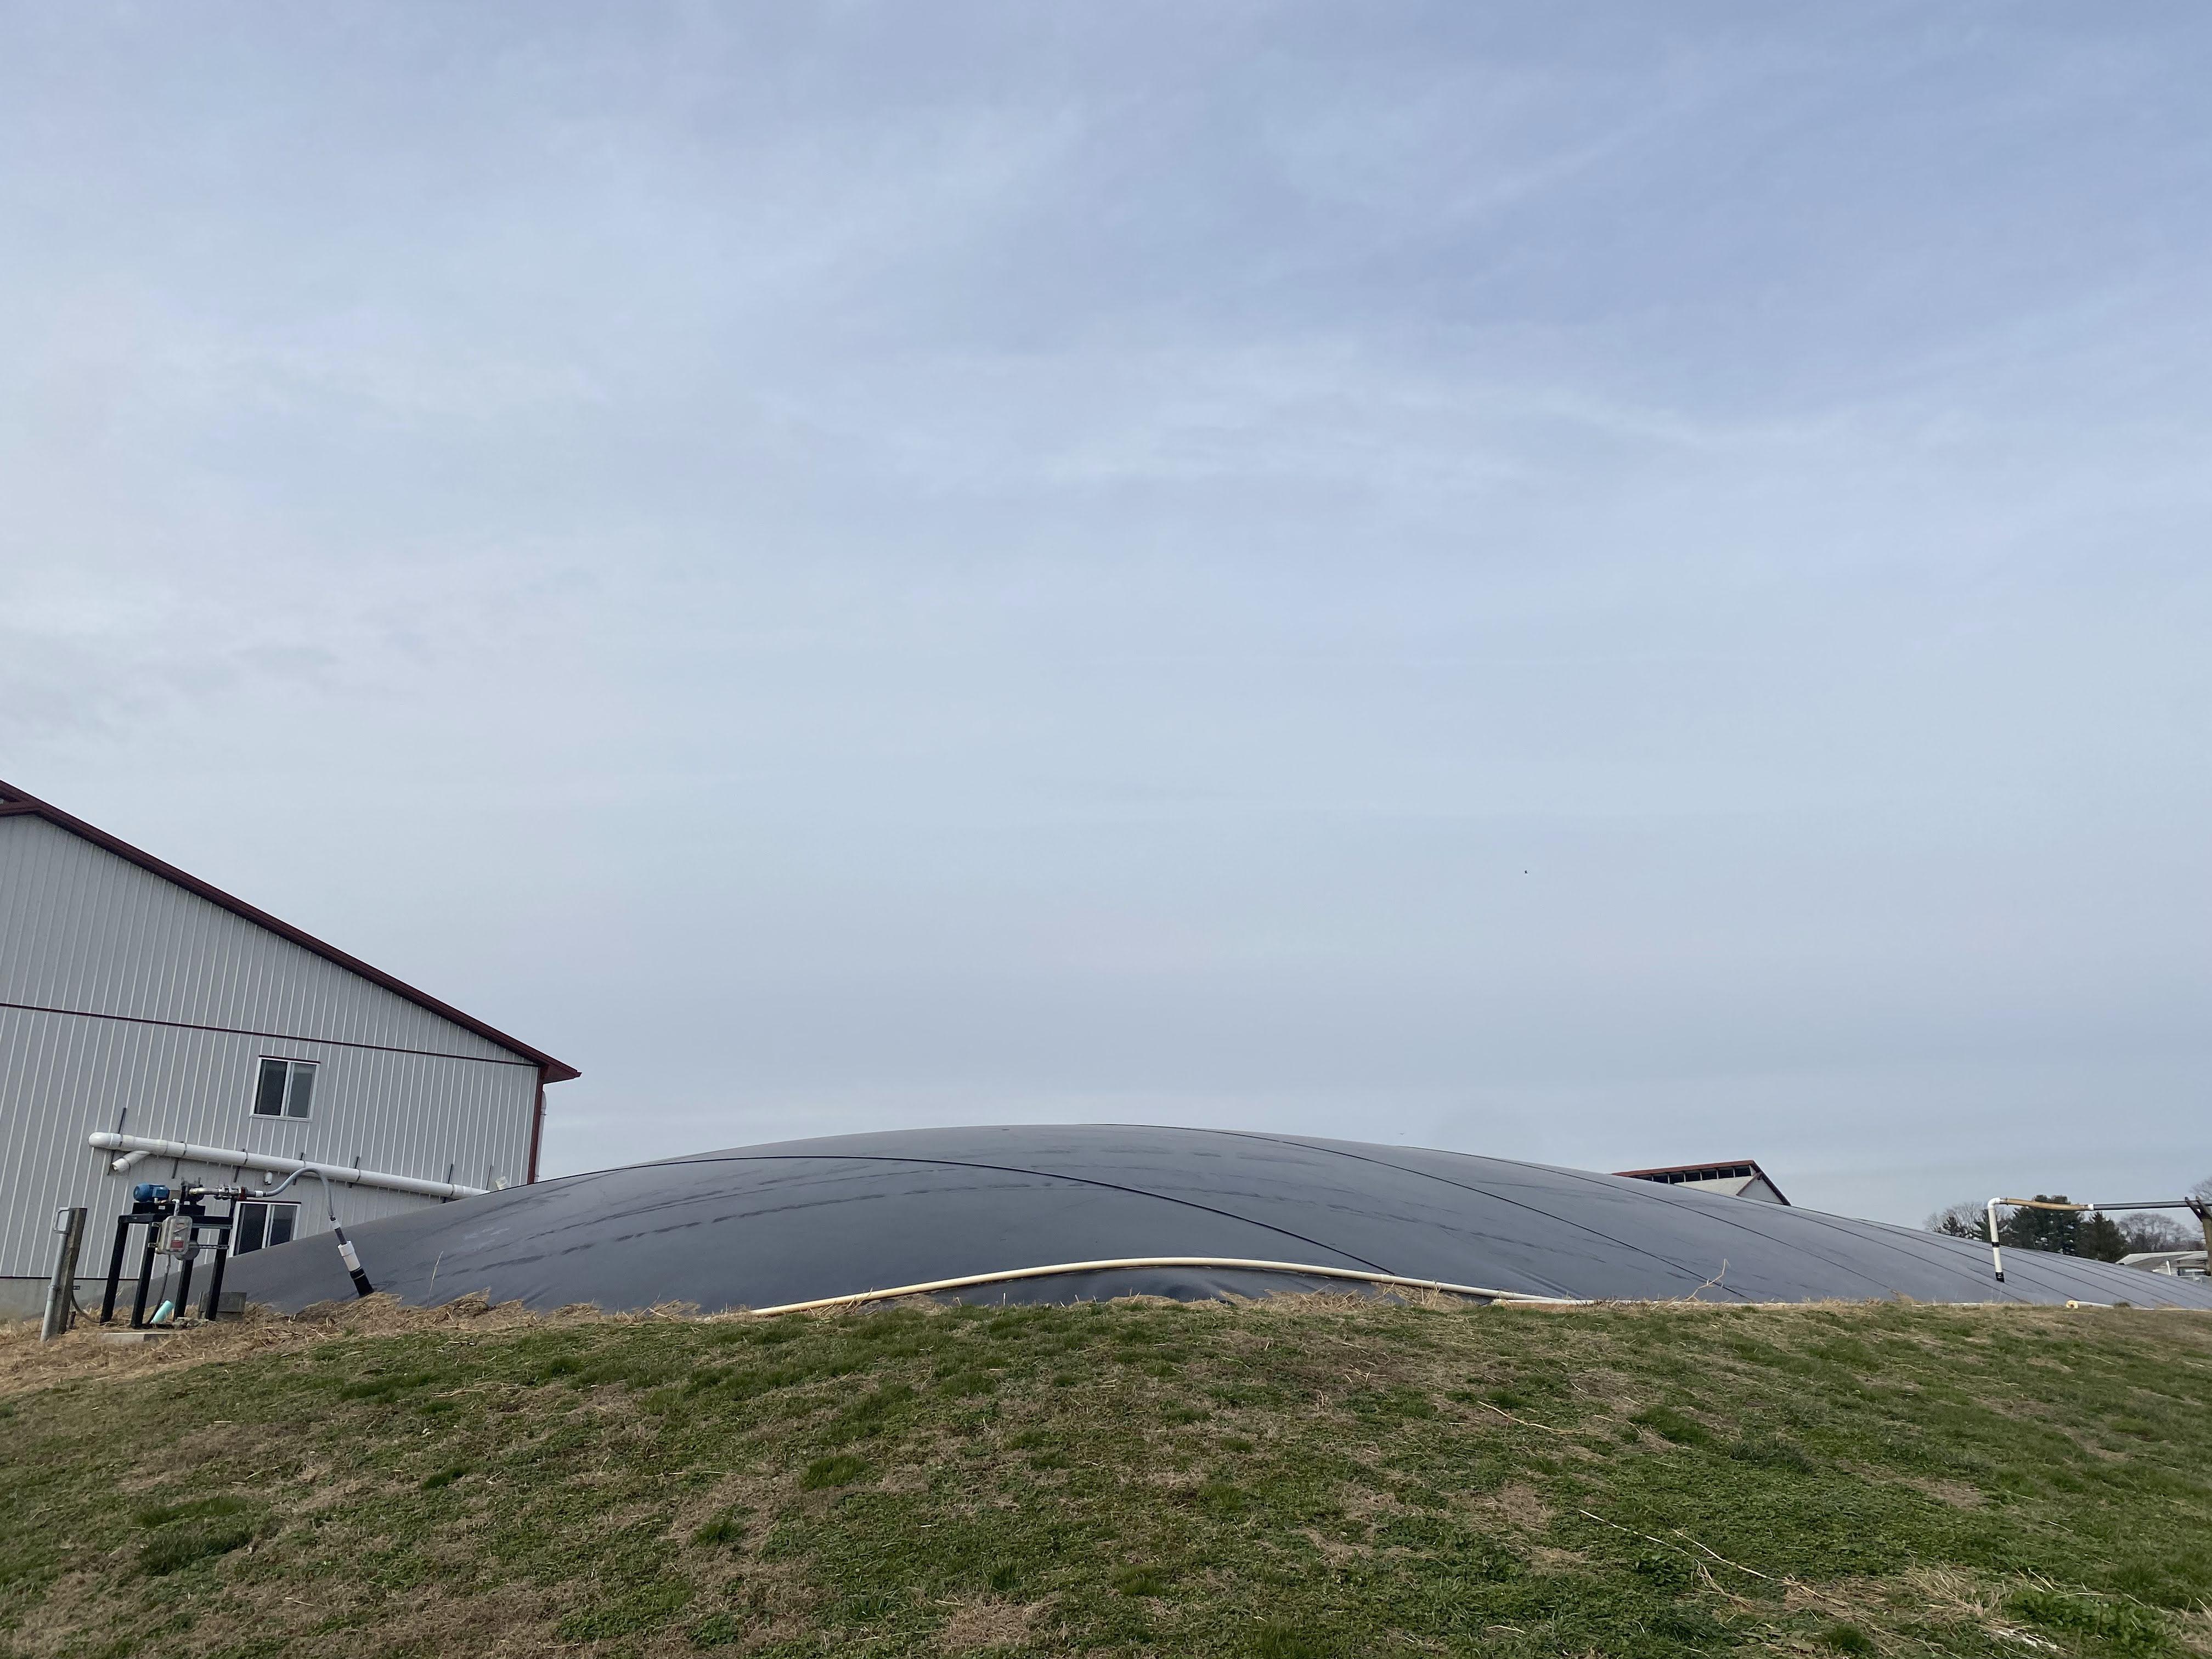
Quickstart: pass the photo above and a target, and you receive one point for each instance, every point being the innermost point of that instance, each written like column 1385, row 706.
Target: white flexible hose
column 930, row 1287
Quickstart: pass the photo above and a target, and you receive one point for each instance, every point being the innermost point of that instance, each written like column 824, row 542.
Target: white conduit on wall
column 232, row 1158
column 932, row 1286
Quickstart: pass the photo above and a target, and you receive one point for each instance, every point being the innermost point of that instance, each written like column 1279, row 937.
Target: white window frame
column 295, row 1104
column 271, row 1209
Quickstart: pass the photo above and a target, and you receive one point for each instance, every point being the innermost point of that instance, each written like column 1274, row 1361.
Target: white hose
column 347, row 1253
column 930, row 1287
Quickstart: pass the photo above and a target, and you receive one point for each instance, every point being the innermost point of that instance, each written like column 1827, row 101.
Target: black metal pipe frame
column 212, row 1306
column 151, row 1219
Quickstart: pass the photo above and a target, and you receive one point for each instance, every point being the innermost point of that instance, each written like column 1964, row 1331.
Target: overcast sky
column 1613, row 585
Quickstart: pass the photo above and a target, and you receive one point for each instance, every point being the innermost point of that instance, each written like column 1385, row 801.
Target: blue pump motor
column 149, row 1191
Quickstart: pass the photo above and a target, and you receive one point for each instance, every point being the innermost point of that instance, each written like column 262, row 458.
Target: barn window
column 287, row 1088
column 255, row 1226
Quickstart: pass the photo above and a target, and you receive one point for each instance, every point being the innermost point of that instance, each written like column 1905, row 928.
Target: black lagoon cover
column 764, row 1226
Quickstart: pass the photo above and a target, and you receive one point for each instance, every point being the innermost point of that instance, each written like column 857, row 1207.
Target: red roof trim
column 13, row 802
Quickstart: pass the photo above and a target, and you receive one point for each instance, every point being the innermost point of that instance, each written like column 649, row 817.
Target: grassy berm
column 1301, row 1477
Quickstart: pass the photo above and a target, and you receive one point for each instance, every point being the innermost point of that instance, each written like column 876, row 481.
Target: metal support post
column 212, row 1309
column 61, row 1294
column 115, row 1270
column 183, row 1296
column 145, row 1275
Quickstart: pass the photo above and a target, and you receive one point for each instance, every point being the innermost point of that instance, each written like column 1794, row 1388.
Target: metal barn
column 153, row 1027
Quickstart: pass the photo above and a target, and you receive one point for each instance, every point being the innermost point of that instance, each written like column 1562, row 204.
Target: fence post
column 61, row 1294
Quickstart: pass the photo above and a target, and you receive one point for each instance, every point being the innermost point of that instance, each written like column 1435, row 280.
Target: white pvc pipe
column 930, row 1286
column 1997, row 1257
column 231, row 1158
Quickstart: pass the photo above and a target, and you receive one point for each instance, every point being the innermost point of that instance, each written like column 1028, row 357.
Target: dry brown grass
column 28, row 1363
column 979, row 1625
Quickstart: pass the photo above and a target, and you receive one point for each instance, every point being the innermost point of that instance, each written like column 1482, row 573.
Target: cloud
column 1601, row 585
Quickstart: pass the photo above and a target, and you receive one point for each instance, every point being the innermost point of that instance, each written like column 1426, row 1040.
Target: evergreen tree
column 2102, row 1239
column 2058, row 1231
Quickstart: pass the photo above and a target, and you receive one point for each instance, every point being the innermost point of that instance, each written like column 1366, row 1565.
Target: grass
column 1306, row 1479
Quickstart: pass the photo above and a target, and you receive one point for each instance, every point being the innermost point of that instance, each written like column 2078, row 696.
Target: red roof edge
column 15, row 802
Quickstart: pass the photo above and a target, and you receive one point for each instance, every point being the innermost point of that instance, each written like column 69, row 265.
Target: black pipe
column 351, row 1257
column 115, row 1270
column 184, row 1295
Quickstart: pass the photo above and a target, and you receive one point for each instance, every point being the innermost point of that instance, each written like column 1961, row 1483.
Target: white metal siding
column 63, row 1078
column 84, row 931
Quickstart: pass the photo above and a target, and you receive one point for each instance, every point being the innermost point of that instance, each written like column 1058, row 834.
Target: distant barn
column 140, row 1004
column 1742, row 1179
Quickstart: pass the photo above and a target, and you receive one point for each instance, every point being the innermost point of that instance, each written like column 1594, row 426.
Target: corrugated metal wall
column 83, row 930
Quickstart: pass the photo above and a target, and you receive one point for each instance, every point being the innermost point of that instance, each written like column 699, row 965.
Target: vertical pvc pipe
column 1996, row 1256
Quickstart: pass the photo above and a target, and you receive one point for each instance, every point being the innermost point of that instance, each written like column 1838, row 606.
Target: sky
column 1603, row 584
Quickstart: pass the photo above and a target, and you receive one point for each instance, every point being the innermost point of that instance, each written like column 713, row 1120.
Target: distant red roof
column 14, row 803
